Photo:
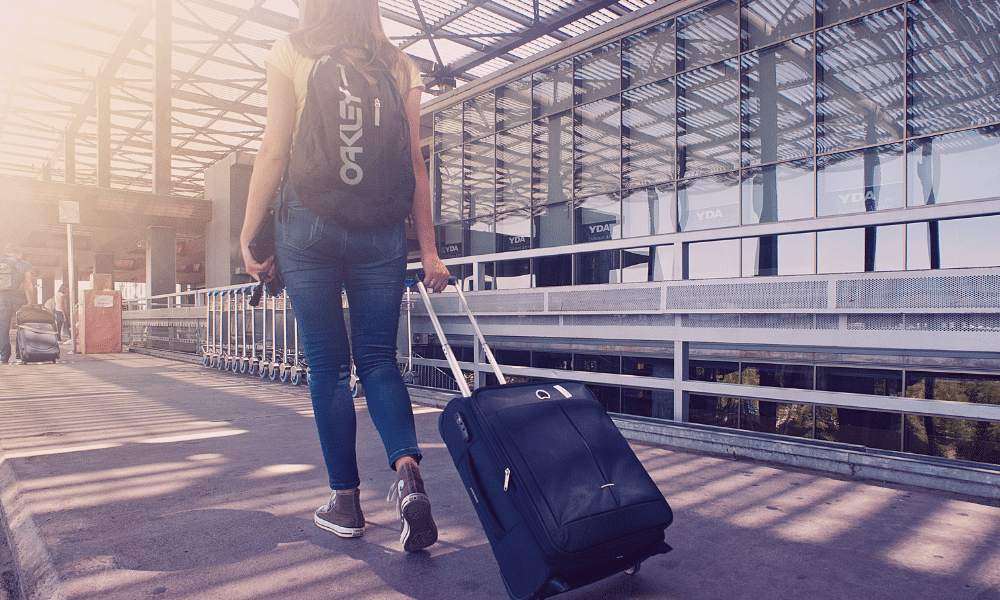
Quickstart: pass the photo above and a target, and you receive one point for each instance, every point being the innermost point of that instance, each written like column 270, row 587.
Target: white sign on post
column 69, row 212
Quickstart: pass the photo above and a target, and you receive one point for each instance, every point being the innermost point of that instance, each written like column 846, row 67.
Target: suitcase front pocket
column 579, row 472
column 555, row 459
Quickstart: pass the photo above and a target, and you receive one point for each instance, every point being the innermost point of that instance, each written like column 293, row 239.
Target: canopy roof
column 54, row 52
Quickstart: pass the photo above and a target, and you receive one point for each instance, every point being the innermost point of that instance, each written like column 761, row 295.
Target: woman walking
column 320, row 256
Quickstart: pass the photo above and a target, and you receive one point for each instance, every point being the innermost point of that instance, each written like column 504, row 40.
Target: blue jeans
column 318, row 258
column 10, row 301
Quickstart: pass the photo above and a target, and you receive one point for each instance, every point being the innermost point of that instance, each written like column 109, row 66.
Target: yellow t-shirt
column 297, row 67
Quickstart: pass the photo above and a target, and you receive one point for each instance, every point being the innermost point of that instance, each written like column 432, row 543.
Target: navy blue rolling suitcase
column 37, row 342
column 563, row 499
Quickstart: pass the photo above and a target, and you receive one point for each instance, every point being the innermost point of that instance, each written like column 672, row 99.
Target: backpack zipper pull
column 506, row 479
column 378, row 109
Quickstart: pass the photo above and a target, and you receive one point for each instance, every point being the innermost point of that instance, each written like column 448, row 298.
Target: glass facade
column 733, row 114
column 752, row 138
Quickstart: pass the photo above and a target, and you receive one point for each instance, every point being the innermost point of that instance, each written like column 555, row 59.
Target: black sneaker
column 342, row 515
column 413, row 509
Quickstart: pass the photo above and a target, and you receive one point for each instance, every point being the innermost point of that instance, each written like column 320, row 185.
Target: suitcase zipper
column 506, row 478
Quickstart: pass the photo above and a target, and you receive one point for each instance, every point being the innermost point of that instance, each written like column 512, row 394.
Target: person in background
column 318, row 257
column 20, row 292
column 58, row 305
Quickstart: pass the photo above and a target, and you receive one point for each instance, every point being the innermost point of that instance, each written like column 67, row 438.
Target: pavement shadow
column 458, row 572
column 203, row 538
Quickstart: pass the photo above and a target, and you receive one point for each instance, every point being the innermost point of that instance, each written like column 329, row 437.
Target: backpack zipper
column 378, row 114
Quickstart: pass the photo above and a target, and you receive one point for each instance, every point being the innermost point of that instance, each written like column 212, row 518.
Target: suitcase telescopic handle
column 446, row 347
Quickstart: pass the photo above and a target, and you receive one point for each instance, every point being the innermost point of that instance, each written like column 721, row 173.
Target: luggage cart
column 233, row 362
column 244, row 341
column 299, row 371
column 218, row 330
column 227, row 334
column 255, row 357
column 208, row 350
column 287, row 353
column 275, row 364
column 262, row 361
column 231, row 333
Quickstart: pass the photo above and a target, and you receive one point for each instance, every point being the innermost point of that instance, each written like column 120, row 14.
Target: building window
column 708, row 120
column 513, row 169
column 950, row 70
column 777, row 105
column 552, row 89
column 829, row 12
column 707, row 35
column 552, row 159
column 782, row 192
column 479, row 116
column 448, row 128
column 954, row 167
column 597, row 148
column 648, row 56
column 859, row 74
column 709, row 202
column 765, row 22
column 790, row 254
column 479, row 177
column 513, row 104
column 597, row 73
column 947, row 245
column 861, row 181
column 649, row 211
column 861, row 250
column 648, row 134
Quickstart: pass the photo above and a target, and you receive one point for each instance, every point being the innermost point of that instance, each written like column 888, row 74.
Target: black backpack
column 351, row 160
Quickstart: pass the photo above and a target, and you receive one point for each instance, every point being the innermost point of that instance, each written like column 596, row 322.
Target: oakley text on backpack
column 351, row 160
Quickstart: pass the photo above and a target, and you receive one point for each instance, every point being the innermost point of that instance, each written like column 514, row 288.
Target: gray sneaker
column 413, row 509
column 342, row 515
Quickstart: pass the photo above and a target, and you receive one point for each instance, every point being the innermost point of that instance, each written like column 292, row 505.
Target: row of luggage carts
column 261, row 340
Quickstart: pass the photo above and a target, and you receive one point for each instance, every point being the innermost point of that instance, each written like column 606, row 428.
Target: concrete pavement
column 128, row 476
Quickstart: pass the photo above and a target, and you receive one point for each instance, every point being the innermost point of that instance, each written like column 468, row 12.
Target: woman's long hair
column 325, row 24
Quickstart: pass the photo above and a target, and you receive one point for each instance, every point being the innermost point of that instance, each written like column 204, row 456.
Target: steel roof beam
column 575, row 12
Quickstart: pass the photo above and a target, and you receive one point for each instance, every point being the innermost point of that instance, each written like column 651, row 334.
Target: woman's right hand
column 436, row 274
column 260, row 271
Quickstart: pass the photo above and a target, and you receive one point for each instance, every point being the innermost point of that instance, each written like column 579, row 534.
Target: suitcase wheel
column 633, row 569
